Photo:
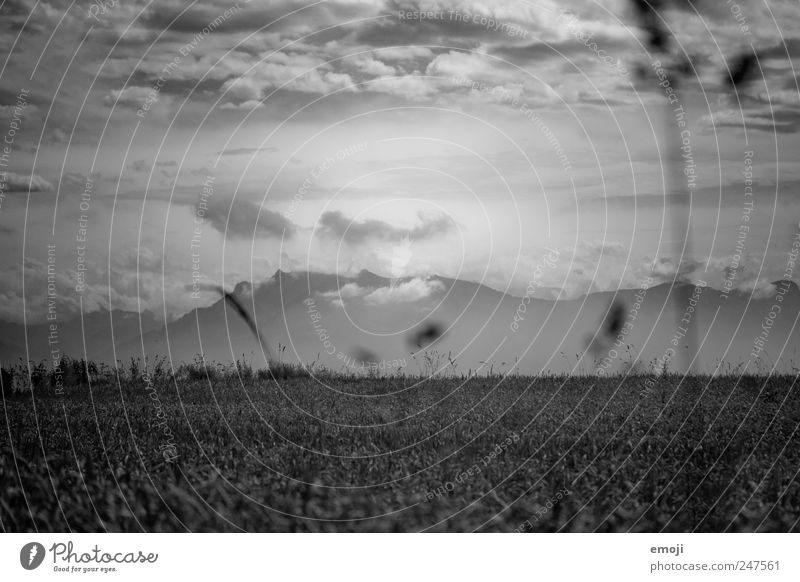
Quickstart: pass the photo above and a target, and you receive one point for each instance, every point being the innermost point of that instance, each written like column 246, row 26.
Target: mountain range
column 424, row 324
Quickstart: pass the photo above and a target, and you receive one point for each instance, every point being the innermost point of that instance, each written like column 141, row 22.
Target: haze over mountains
column 368, row 321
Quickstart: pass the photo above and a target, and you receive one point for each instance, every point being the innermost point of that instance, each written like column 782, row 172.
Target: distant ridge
column 305, row 312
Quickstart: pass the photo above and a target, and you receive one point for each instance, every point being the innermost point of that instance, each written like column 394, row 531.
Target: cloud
column 406, row 292
column 248, row 105
column 412, row 87
column 140, row 259
column 785, row 48
column 230, row 16
column 237, row 219
column 594, row 250
column 57, row 137
column 768, row 119
column 348, row 291
column 334, row 224
column 244, row 151
column 12, row 182
column 665, row 269
column 369, row 65
column 570, row 48
column 195, row 18
column 242, row 89
column 129, row 96
column 461, row 64
column 451, row 28
column 743, row 273
column 139, row 166
column 305, row 73
column 33, row 304
column 40, row 17
column 404, row 53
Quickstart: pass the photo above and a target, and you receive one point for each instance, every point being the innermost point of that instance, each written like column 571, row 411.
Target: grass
column 229, row 448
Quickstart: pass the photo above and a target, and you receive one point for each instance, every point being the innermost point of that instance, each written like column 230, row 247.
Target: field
column 229, row 449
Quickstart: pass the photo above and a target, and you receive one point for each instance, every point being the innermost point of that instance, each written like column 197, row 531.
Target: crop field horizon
column 213, row 449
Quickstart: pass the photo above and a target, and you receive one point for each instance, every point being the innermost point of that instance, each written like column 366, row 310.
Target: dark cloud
column 247, row 18
column 389, row 33
column 392, row 31
column 139, row 166
column 9, row 96
column 666, row 269
column 336, row 225
column 784, row 120
column 778, row 120
column 244, row 219
column 180, row 18
column 787, row 48
column 536, row 51
column 12, row 182
column 598, row 99
column 730, row 196
column 185, row 87
column 14, row 8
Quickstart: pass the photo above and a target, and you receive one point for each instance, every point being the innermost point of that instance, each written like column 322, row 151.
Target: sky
column 147, row 147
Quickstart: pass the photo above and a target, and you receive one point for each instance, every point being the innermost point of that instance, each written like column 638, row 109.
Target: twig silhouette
column 237, row 306
column 425, row 335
